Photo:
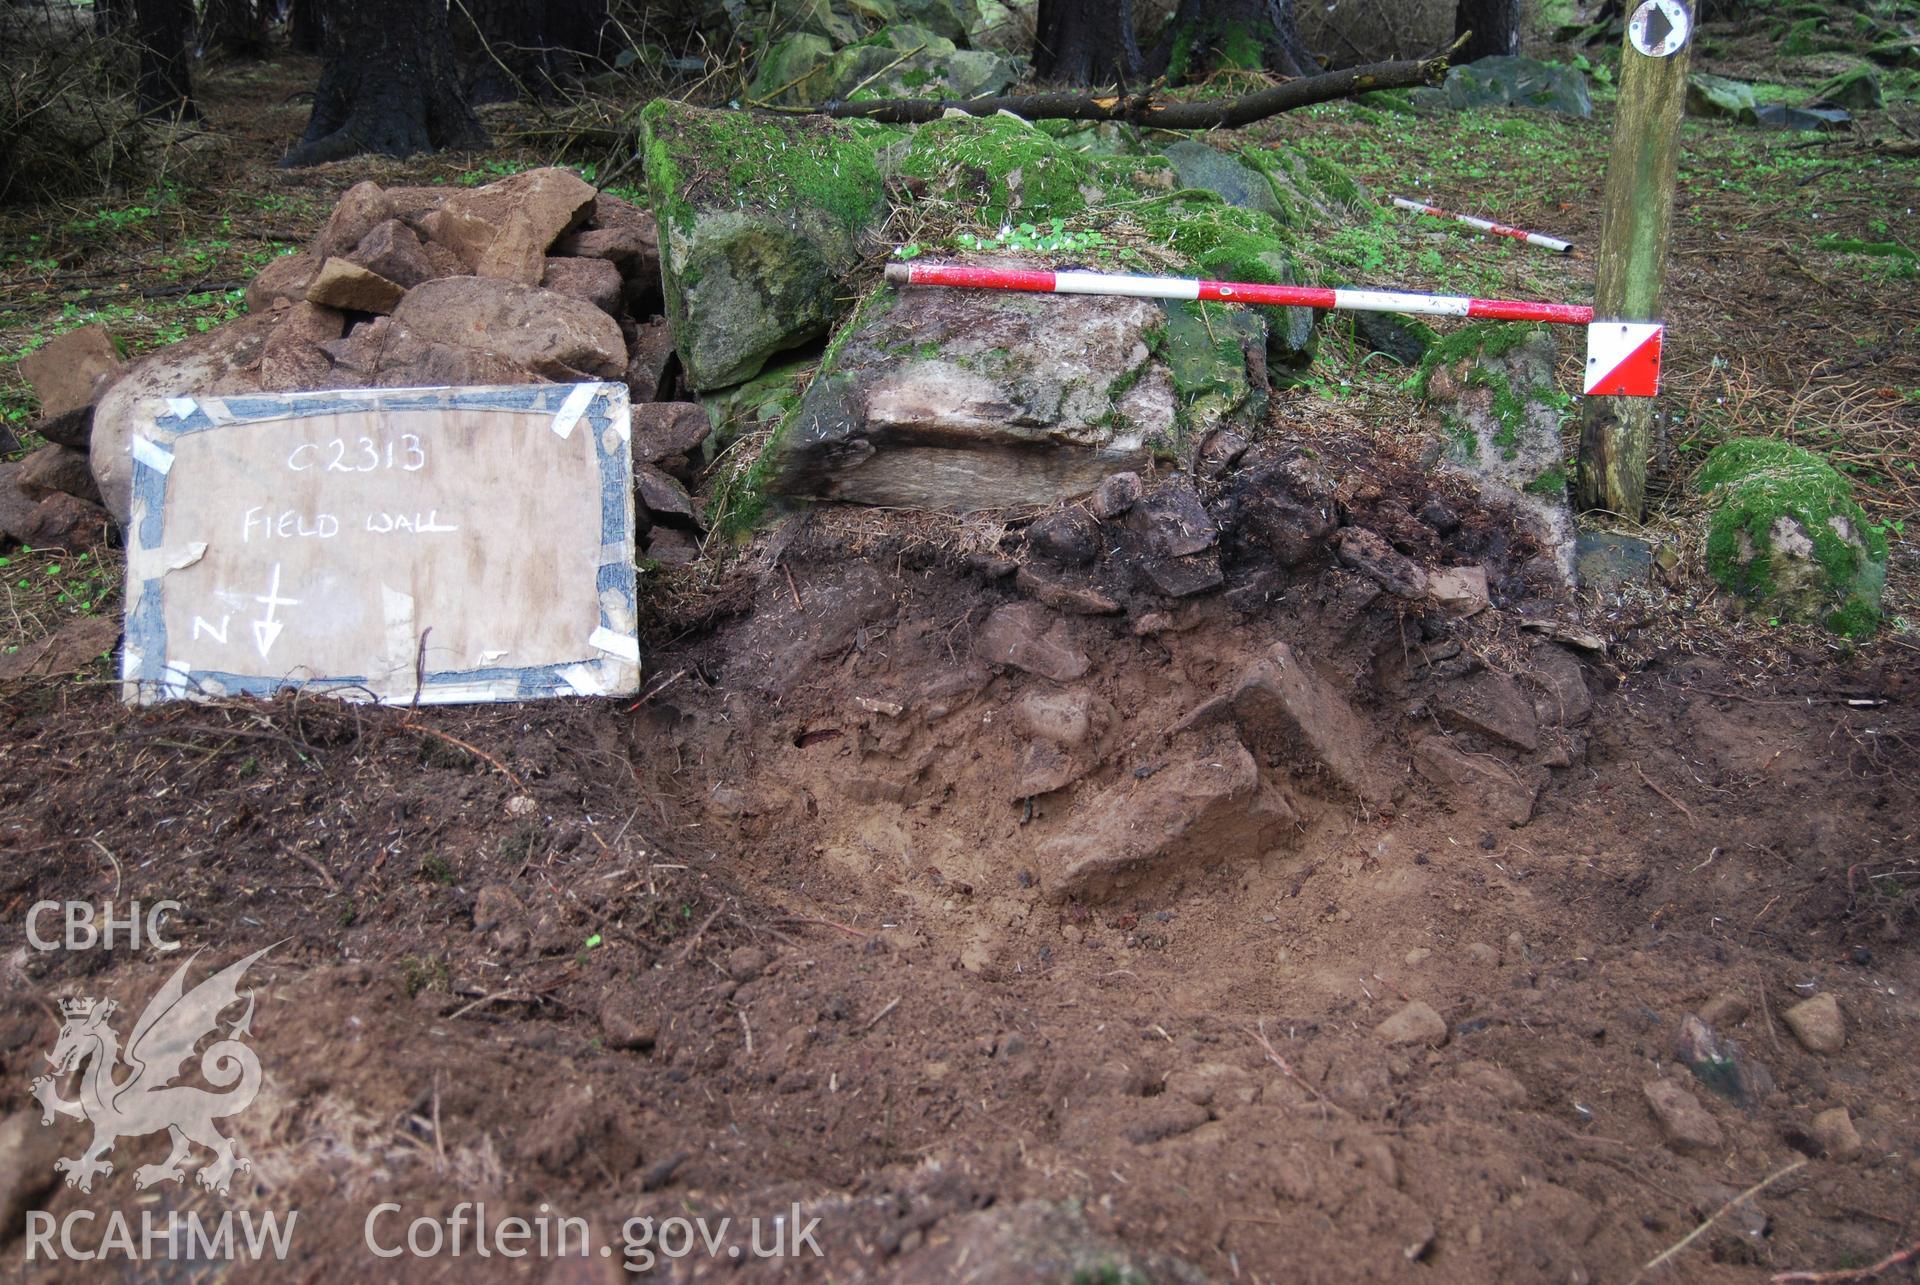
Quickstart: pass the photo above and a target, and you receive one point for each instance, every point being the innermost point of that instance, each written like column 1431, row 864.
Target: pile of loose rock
column 534, row 278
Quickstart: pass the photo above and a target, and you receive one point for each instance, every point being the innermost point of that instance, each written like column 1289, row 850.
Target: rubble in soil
column 1171, row 883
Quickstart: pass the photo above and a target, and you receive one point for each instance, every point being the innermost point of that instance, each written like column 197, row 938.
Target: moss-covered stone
column 1216, row 355
column 761, row 220
column 1787, row 536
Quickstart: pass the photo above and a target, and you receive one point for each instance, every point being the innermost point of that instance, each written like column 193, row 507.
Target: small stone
column 1439, row 515
column 62, row 521
column 346, row 285
column 361, row 209
column 503, row 230
column 1116, row 494
column 633, row 247
column 1068, row 719
column 394, row 252
column 69, row 373
column 1070, row 537
column 1834, row 1131
column 1418, row 956
column 556, row 336
column 594, row 280
column 745, row 963
column 1479, row 952
column 1725, row 1009
column 664, row 498
column 1817, row 1024
column 285, row 280
column 495, row 905
column 665, row 432
column 671, row 548
column 1170, row 521
column 649, row 355
column 1366, row 552
column 1028, row 636
column 522, row 805
column 626, row 1029
column 1459, row 591
column 1417, row 1023
column 1686, row 1124
column 56, row 469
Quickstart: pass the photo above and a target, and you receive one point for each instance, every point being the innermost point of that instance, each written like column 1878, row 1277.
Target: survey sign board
column 430, row 545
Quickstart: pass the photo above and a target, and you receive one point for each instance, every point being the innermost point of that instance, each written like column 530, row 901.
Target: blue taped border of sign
column 145, row 670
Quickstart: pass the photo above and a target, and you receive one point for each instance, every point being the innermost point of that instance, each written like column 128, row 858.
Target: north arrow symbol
column 264, row 634
column 266, row 629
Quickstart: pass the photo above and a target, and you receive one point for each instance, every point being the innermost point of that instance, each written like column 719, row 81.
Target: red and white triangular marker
column 1623, row 358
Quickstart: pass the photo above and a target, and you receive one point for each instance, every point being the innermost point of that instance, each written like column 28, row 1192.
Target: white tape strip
column 458, row 694
column 1137, row 287
column 1432, row 305
column 152, row 454
column 129, row 664
column 145, row 564
column 604, row 639
column 573, row 408
column 182, row 407
column 584, row 679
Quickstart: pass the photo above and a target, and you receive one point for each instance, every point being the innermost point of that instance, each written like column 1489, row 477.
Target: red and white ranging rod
column 1623, row 357
column 1540, row 239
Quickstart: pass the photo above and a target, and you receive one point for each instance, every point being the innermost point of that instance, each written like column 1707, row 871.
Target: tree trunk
column 1253, row 35
column 1495, row 25
column 1086, row 42
column 163, row 28
column 527, row 47
column 389, row 85
column 234, row 27
column 306, row 27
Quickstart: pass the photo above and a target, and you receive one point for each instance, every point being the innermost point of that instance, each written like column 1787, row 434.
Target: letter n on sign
column 437, row 545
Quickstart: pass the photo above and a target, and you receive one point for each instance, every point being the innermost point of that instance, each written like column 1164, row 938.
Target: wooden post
column 1631, row 265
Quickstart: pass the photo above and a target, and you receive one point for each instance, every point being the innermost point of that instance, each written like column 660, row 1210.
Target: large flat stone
column 555, row 335
column 963, row 400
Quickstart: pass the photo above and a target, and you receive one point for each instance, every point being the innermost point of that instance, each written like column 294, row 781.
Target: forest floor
column 752, row 942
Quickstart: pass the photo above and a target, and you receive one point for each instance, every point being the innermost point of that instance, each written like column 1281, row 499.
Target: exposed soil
column 778, row 933
column 781, row 932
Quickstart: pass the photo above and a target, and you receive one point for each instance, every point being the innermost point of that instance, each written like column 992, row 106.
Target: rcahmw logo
column 145, row 1100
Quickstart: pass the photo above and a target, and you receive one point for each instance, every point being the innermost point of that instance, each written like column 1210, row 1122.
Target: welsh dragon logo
column 145, row 1100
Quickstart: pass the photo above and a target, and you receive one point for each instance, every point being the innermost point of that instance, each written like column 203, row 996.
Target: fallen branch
column 1142, row 109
